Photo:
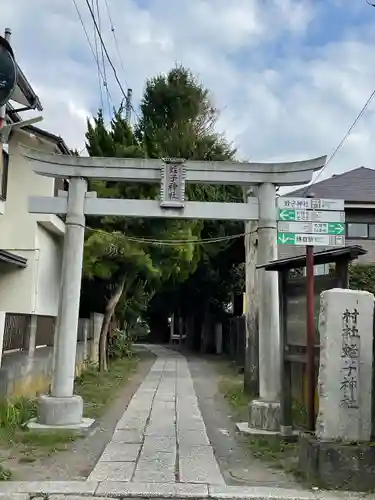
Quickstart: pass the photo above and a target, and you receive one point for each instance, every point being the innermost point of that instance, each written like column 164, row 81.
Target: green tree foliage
column 112, row 253
column 362, row 277
column 178, row 119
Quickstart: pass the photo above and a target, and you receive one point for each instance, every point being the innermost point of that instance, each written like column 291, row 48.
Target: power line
column 105, row 50
column 89, row 42
column 115, row 40
column 97, row 58
column 338, row 147
column 105, row 83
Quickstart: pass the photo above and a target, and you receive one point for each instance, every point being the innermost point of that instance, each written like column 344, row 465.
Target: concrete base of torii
column 264, row 419
column 264, row 415
column 60, row 413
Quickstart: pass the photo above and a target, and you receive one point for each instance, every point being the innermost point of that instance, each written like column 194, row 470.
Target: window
column 4, row 165
column 357, row 230
column 319, row 270
column 371, row 231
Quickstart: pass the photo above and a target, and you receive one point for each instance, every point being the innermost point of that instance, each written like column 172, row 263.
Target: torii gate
column 63, row 408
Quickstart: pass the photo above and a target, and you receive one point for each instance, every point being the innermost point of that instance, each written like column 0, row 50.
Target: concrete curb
column 75, row 490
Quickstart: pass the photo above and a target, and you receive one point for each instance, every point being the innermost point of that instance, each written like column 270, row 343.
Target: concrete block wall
column 30, row 372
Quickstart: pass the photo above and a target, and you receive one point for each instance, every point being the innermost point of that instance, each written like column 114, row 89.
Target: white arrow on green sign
column 311, row 227
column 288, row 215
column 286, row 238
column 302, row 239
column 336, row 228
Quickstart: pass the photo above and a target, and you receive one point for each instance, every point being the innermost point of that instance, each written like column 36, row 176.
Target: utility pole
column 128, row 107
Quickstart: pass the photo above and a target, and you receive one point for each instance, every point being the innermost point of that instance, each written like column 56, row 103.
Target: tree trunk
column 109, row 310
column 251, row 375
column 190, row 331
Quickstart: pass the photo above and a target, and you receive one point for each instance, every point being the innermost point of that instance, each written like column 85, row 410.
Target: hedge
column 362, row 277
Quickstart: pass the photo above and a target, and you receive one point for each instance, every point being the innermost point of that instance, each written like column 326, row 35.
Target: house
column 30, row 244
column 30, row 254
column 357, row 188
column 31, row 248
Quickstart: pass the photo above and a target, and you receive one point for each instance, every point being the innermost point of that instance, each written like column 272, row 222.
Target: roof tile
column 356, row 185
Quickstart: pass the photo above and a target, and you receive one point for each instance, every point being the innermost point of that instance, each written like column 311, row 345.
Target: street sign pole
column 310, row 334
column 310, row 338
column 311, row 222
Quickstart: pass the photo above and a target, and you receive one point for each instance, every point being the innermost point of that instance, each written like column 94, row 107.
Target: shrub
column 362, row 277
column 140, row 330
column 5, row 474
column 120, row 345
column 15, row 414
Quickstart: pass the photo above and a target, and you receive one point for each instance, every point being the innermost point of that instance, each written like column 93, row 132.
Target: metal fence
column 45, row 330
column 16, row 331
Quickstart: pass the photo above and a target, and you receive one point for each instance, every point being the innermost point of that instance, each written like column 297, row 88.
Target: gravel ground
column 237, row 464
column 79, row 459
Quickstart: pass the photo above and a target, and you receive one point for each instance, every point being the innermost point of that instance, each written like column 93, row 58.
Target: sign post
column 310, row 334
column 310, row 222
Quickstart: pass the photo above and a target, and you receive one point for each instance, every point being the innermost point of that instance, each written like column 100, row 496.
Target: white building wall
column 48, row 273
column 33, row 290
column 17, row 286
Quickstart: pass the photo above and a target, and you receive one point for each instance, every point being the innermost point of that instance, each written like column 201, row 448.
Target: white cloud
column 277, row 103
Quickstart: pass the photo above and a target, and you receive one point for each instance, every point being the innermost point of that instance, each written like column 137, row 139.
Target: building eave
column 59, row 141
column 360, row 204
column 24, row 93
column 15, row 117
column 12, row 259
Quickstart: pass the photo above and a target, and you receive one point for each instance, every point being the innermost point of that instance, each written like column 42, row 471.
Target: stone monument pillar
column 341, row 455
column 345, row 373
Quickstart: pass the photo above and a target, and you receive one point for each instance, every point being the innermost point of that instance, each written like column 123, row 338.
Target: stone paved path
column 160, row 450
column 161, row 437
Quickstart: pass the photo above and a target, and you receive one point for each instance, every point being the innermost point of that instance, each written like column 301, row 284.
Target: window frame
column 367, row 224
column 371, row 224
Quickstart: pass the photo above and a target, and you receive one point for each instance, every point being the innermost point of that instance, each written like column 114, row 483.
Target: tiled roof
column 355, row 186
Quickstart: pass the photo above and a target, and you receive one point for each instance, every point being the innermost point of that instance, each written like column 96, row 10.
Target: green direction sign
column 336, row 228
column 290, row 215
column 287, row 215
column 286, row 238
column 302, row 239
column 332, row 228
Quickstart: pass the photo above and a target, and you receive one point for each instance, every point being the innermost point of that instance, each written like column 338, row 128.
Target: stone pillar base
column 264, row 415
column 337, row 465
column 60, row 411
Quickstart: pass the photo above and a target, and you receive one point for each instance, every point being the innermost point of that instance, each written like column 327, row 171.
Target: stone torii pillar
column 62, row 408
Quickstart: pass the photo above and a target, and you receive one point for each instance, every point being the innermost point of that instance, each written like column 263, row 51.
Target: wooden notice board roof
column 324, row 257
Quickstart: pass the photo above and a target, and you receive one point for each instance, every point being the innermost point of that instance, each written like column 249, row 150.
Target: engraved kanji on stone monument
column 345, row 371
column 172, row 189
column 350, row 352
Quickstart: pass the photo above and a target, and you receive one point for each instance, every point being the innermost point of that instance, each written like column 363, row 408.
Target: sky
column 288, row 76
